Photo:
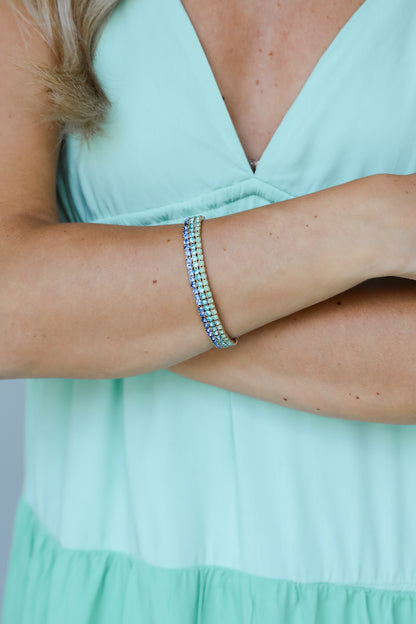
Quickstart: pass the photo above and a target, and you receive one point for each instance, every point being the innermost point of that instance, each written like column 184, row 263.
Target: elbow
column 10, row 367
column 14, row 333
column 11, row 362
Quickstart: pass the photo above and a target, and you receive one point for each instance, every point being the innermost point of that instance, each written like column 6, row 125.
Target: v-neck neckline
column 301, row 94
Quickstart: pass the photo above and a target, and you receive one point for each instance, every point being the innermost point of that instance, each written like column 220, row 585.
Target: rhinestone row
column 198, row 280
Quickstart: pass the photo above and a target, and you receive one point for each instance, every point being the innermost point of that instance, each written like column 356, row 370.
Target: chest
column 170, row 149
column 261, row 53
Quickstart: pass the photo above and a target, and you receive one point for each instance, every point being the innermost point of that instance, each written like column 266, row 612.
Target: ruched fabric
column 161, row 500
column 67, row 586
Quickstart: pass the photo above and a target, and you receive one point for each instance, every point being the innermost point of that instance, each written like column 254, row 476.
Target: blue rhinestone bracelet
column 198, row 280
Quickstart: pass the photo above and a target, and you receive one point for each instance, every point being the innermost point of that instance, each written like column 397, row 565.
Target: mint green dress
column 155, row 499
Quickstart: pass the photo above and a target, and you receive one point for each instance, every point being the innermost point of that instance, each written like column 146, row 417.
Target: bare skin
column 261, row 53
column 352, row 356
column 115, row 300
column 331, row 360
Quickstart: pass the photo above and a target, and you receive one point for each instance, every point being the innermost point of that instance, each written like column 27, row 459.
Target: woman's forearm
column 352, row 356
column 104, row 301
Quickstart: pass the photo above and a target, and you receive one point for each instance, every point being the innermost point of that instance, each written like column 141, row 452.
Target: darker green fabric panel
column 48, row 584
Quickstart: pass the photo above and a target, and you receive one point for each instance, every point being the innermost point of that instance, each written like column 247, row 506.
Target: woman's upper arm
column 29, row 145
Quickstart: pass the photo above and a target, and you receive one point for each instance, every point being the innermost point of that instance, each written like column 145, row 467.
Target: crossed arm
column 352, row 356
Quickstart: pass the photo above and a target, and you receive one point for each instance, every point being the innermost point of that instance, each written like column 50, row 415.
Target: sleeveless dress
column 161, row 500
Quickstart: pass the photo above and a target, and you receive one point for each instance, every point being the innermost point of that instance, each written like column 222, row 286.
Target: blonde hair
column 71, row 28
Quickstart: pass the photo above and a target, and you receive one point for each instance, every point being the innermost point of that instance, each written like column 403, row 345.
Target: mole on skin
column 154, row 281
